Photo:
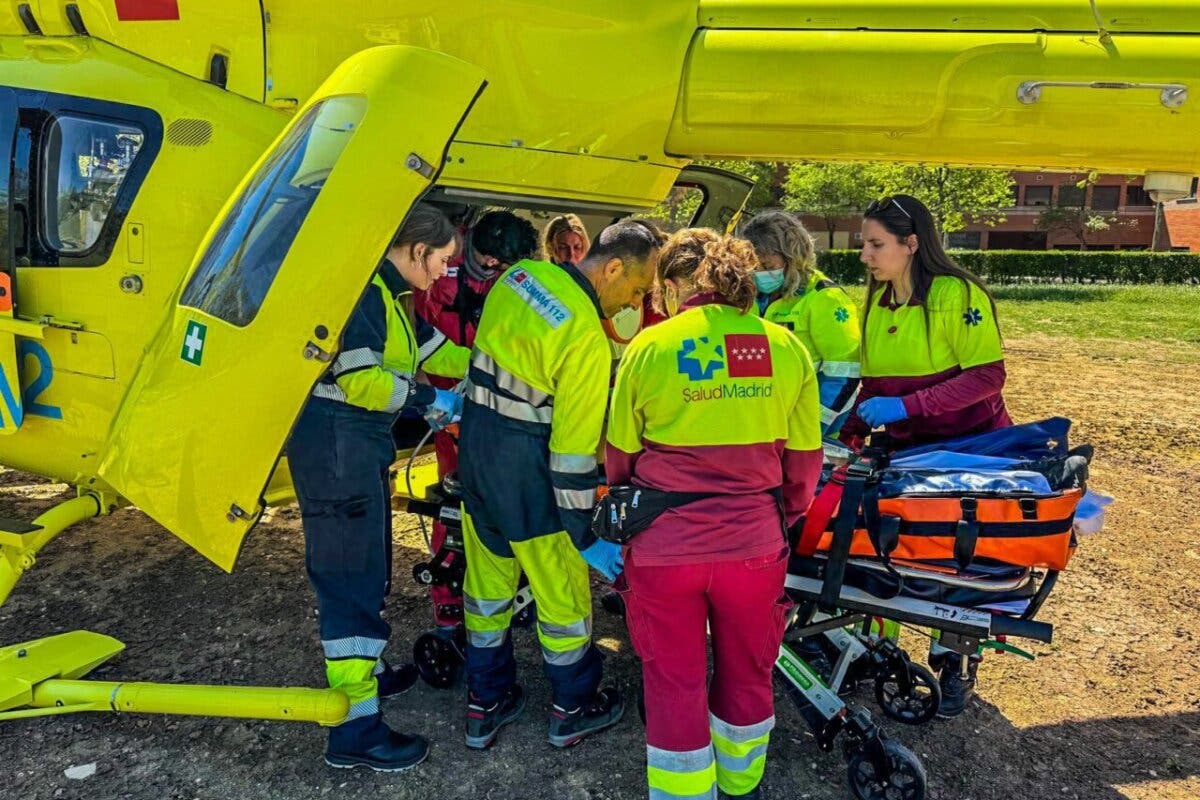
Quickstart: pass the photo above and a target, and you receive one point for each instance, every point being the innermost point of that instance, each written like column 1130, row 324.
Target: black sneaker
column 568, row 727
column 484, row 723
column 956, row 689
column 754, row 794
column 368, row 742
column 395, row 681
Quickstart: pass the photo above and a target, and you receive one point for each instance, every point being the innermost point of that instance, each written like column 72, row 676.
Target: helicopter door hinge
column 313, row 351
column 52, row 322
column 236, row 512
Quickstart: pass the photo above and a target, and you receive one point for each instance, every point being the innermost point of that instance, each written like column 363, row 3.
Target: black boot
column 395, row 681
column 754, row 794
column 957, row 688
column 569, row 726
column 368, row 742
column 485, row 721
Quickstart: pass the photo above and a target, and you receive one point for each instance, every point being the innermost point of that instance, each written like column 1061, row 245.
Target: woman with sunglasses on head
column 932, row 359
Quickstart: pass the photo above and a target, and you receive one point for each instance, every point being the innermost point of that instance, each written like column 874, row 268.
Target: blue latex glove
column 445, row 409
column 605, row 558
column 880, row 411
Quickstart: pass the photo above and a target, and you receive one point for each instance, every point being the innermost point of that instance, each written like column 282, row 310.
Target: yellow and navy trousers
column 339, row 456
column 513, row 522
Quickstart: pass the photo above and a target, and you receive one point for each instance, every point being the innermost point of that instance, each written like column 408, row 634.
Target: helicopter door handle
column 1171, row 95
column 313, row 351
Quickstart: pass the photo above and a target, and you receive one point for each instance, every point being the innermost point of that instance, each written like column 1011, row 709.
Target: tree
column 681, row 203
column 829, row 190
column 954, row 196
column 1075, row 218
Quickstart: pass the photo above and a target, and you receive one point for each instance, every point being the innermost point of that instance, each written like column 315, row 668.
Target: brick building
column 1117, row 196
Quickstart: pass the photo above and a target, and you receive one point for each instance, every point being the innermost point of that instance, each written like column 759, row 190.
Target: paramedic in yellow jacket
column 339, row 454
column 794, row 293
column 714, row 400
column 932, row 359
column 535, row 404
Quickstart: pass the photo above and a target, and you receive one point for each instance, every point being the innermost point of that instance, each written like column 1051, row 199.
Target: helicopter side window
column 240, row 263
column 86, row 162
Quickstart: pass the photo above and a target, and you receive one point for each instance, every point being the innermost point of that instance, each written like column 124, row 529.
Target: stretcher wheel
column 916, row 706
column 439, row 657
column 904, row 777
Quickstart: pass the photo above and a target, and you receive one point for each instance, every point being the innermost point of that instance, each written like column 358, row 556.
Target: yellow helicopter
column 196, row 194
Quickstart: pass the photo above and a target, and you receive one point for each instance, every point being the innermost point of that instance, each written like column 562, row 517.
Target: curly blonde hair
column 564, row 223
column 780, row 233
column 710, row 262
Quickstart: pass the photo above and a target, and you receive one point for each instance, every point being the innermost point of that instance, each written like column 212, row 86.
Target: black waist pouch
column 628, row 510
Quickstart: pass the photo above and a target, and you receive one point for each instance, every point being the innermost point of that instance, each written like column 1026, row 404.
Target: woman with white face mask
column 793, row 293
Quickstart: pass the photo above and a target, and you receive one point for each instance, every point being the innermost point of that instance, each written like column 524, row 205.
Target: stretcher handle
column 1023, row 628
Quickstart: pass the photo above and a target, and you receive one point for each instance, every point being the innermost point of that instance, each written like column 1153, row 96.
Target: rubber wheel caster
column 915, row 707
column 439, row 658
column 904, row 778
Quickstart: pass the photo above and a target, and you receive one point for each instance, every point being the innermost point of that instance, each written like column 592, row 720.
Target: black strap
column 966, row 533
column 843, row 533
column 884, row 533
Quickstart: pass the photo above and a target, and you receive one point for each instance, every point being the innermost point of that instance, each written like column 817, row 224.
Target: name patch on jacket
column 537, row 297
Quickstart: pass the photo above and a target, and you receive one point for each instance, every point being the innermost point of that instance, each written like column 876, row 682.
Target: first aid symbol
column 193, row 342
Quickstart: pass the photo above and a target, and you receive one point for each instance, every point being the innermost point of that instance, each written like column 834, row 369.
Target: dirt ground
column 1110, row 710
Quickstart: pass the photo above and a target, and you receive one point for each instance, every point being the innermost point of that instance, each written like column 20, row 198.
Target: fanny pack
column 628, row 510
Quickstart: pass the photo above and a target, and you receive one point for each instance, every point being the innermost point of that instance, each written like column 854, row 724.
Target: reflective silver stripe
column 680, row 761
column 839, row 369
column 363, row 708
column 430, row 347
column 378, row 668
column 356, row 359
column 513, row 409
column 662, row 794
column 507, row 381
column 573, row 464
column 402, row 386
column 581, row 628
column 485, row 608
column 353, row 647
column 575, row 499
column 486, row 638
column 329, row 391
column 565, row 658
column 740, row 733
column 828, row 415
column 730, row 763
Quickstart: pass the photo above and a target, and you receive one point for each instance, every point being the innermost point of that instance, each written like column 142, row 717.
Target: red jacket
column 452, row 305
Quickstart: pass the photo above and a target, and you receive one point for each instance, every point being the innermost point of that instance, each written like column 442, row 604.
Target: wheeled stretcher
column 982, row 527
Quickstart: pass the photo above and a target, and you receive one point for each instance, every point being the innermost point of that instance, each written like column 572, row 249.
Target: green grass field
column 1158, row 313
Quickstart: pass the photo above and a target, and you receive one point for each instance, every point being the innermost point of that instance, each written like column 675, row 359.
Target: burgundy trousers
column 670, row 611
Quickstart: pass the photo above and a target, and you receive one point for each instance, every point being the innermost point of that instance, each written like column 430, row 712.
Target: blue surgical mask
column 768, row 280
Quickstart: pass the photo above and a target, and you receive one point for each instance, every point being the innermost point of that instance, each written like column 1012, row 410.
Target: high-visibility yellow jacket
column 825, row 320
column 383, row 348
column 541, row 365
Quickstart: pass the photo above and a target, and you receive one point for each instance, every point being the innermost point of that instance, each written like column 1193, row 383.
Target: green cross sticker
column 193, row 342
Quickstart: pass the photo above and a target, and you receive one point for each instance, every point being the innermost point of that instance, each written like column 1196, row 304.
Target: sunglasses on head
column 878, row 205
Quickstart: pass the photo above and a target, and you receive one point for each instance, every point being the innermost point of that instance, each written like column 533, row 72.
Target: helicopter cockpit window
column 86, row 162
column 249, row 247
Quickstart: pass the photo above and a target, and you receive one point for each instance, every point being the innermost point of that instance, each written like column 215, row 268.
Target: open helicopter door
column 11, row 409
column 268, row 297
column 722, row 194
